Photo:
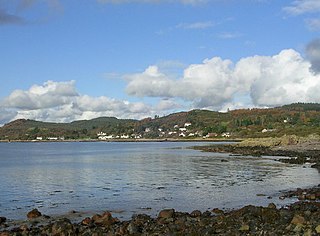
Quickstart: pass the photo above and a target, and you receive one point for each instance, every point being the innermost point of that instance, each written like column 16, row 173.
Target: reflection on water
column 136, row 177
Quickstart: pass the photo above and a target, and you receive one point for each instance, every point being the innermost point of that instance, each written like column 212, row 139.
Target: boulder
column 166, row 213
column 2, row 219
column 34, row 214
column 196, row 213
column 105, row 219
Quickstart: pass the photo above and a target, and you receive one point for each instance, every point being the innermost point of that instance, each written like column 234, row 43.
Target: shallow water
column 129, row 178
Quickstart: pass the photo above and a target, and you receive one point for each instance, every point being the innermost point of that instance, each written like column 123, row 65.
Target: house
column 124, row 136
column 210, row 135
column 39, row 138
column 176, row 126
column 101, row 134
column 147, row 130
column 226, row 135
column 183, row 129
column 182, row 135
column 187, row 124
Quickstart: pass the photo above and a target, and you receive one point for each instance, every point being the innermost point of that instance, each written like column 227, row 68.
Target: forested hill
column 300, row 119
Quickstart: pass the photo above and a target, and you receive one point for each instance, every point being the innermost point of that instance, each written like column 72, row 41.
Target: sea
column 129, row 178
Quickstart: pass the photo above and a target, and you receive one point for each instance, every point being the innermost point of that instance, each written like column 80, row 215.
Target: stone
column 311, row 197
column 62, row 227
column 105, row 219
column 2, row 219
column 297, row 219
column 272, row 206
column 244, row 227
column 86, row 221
column 166, row 213
column 196, row 213
column 318, row 229
column 132, row 228
column 217, row 211
column 34, row 214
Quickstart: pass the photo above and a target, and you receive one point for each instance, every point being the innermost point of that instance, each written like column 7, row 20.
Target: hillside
column 299, row 119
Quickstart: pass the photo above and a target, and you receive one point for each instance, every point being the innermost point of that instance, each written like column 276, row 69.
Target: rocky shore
column 301, row 218
column 298, row 150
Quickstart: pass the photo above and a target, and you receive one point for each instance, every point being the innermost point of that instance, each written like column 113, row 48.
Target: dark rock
column 34, row 214
column 272, row 206
column 196, row 213
column 86, row 221
column 105, row 219
column 166, row 213
column 2, row 219
column 62, row 227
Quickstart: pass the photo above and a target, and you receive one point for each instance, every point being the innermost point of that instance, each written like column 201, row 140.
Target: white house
column 187, row 124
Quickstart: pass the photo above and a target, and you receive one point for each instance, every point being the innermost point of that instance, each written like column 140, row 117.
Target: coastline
column 124, row 140
column 299, row 218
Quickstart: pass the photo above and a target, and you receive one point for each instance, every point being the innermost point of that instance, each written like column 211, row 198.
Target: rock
column 2, row 219
column 34, row 214
column 297, row 219
column 217, row 211
column 86, row 221
column 105, row 219
column 272, row 206
column 196, row 213
column 244, row 227
column 132, row 228
column 62, row 227
column 311, row 196
column 166, row 213
column 318, row 229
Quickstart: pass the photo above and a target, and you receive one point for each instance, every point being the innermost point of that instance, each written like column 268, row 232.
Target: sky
column 66, row 60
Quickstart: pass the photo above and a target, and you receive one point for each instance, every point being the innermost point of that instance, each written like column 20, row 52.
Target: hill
column 299, row 119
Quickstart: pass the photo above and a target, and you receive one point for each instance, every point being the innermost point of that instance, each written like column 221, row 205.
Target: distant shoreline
column 123, row 140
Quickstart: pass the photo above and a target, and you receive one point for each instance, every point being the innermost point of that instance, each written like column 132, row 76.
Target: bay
column 144, row 177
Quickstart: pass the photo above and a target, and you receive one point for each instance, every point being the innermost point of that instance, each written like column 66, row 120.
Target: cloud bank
column 60, row 102
column 216, row 83
column 267, row 80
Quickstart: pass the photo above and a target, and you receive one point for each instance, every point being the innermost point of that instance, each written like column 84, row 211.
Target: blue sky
column 70, row 60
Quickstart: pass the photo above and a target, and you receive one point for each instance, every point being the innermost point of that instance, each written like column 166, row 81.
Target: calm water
column 133, row 178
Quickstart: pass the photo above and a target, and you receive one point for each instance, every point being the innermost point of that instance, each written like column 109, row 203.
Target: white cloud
column 60, row 102
column 229, row 35
column 313, row 24
column 196, row 25
column 299, row 7
column 268, row 81
column 192, row 2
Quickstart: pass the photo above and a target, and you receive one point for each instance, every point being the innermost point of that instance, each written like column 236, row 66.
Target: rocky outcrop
column 301, row 218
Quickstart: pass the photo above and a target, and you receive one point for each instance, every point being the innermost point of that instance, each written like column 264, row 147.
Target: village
column 185, row 131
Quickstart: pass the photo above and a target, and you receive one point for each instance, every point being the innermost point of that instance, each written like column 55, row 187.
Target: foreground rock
column 301, row 218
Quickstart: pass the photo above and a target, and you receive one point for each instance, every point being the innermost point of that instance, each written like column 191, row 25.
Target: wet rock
column 244, row 228
column 166, row 213
column 34, row 214
column 196, row 213
column 105, row 219
column 298, row 219
column 86, row 221
column 2, row 220
column 217, row 211
column 272, row 206
column 62, row 227
column 132, row 228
